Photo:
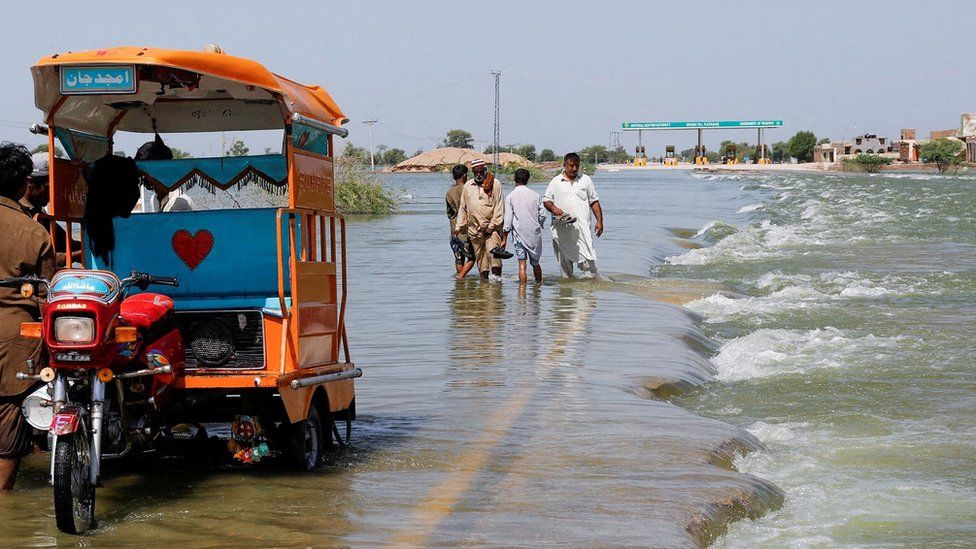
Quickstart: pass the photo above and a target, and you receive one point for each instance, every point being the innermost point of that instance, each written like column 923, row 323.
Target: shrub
column 360, row 191
column 869, row 163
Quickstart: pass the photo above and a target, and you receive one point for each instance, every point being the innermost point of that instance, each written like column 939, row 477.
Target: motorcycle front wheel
column 74, row 493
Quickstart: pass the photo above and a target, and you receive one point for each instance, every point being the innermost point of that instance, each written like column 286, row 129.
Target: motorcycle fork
column 97, row 413
column 60, row 398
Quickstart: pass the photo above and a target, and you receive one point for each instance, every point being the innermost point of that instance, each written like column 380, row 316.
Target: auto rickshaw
column 244, row 333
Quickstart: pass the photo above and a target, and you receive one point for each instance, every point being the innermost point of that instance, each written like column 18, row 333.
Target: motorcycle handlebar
column 19, row 280
column 144, row 280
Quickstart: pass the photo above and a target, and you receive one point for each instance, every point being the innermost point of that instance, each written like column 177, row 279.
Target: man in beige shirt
column 482, row 214
column 25, row 250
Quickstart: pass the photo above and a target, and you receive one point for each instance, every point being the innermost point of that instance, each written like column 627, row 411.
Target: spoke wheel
column 74, row 494
column 306, row 441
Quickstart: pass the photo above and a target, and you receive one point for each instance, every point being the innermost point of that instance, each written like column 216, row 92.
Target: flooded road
column 587, row 412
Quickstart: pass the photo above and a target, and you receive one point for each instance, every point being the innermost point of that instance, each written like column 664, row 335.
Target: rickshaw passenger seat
column 224, row 259
column 146, row 309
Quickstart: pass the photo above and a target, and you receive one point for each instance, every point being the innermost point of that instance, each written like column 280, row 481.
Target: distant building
column 868, row 144
column 967, row 132
column 825, row 153
column 907, row 146
column 970, row 148
column 939, row 134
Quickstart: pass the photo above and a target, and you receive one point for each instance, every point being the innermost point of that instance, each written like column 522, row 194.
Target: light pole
column 497, row 140
column 372, row 165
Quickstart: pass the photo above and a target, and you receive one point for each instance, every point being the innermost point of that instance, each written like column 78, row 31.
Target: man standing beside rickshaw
column 25, row 250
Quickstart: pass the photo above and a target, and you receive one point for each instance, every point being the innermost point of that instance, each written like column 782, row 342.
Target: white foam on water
column 751, row 208
column 840, row 475
column 771, row 352
column 801, row 291
column 721, row 308
column 707, row 227
column 756, row 242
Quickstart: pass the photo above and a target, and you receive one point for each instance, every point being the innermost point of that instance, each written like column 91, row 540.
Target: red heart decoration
column 193, row 249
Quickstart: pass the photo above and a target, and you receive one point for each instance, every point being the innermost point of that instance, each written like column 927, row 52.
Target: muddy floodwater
column 778, row 359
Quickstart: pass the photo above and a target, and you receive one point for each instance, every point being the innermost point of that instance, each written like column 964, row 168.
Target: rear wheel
column 306, row 441
column 74, row 494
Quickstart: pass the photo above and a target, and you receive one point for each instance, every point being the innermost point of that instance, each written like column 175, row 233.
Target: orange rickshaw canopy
column 179, row 91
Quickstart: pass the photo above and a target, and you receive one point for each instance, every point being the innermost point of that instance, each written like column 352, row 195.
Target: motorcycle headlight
column 74, row 329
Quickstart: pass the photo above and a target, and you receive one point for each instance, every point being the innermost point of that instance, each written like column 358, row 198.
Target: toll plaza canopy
column 701, row 125
column 144, row 90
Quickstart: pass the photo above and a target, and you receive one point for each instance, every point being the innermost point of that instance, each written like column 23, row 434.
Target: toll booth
column 762, row 155
column 670, row 159
column 640, row 158
column 700, row 158
column 730, row 155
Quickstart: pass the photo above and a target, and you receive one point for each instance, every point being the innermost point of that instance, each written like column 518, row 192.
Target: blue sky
column 571, row 71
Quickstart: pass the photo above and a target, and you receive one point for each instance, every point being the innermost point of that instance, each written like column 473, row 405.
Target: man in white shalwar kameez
column 573, row 193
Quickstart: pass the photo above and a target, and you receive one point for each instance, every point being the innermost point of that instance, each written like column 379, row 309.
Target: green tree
column 869, row 163
column 42, row 148
column 943, row 152
column 360, row 154
column 547, row 155
column 780, row 152
column 458, row 138
column 527, row 152
column 179, row 154
column 619, row 155
column 418, row 152
column 801, row 146
column 594, row 154
column 824, row 141
column 394, row 156
column 237, row 148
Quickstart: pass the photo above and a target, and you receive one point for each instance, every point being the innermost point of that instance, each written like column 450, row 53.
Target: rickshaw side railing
column 67, row 201
column 312, row 261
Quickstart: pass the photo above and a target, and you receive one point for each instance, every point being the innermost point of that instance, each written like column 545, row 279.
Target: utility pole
column 497, row 74
column 372, row 165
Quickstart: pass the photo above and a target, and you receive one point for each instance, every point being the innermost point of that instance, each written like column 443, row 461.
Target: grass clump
column 536, row 174
column 360, row 191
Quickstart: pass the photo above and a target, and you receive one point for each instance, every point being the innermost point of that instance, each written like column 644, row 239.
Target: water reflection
column 477, row 333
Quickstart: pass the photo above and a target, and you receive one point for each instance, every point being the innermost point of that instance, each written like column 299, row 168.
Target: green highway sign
column 697, row 125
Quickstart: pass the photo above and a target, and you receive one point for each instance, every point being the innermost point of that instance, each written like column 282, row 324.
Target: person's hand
column 599, row 228
column 557, row 211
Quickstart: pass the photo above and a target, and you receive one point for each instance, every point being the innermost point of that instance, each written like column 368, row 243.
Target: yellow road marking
column 442, row 498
